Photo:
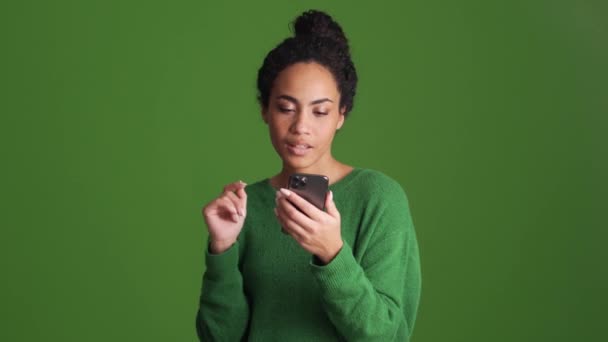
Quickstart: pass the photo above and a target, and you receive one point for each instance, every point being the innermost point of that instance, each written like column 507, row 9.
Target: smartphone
column 312, row 188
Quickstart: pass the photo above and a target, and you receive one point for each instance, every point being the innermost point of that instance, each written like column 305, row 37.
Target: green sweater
column 268, row 288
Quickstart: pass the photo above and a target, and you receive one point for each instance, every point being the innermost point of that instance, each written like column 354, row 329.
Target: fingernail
column 276, row 212
column 240, row 181
column 285, row 192
column 331, row 195
column 279, row 194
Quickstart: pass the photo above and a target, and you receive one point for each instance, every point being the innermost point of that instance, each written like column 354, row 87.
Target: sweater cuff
column 220, row 265
column 332, row 276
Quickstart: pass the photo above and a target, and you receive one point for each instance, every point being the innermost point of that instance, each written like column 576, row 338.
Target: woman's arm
column 374, row 296
column 223, row 312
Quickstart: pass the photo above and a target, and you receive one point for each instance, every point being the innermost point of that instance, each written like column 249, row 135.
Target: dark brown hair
column 318, row 38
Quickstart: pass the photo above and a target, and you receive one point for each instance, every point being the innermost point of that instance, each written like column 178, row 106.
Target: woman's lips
column 298, row 149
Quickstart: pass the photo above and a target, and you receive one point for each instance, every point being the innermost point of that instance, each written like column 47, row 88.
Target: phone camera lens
column 298, row 182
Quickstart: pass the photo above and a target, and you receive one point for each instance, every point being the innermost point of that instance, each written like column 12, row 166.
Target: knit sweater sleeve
column 223, row 310
column 373, row 294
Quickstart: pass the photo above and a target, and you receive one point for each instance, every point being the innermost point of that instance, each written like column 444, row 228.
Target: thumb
column 330, row 205
column 242, row 195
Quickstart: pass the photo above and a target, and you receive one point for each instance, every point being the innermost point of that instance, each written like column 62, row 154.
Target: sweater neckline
column 340, row 184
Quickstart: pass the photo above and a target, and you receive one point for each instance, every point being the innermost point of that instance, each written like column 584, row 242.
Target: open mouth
column 298, row 149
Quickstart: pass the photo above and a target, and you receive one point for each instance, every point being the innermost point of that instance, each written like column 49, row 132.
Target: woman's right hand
column 225, row 216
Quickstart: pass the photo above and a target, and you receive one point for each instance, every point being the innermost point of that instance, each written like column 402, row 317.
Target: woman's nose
column 300, row 124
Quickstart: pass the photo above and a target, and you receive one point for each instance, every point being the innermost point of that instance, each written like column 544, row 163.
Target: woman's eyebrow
column 293, row 99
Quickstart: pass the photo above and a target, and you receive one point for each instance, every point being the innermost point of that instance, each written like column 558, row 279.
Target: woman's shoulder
column 375, row 180
column 372, row 186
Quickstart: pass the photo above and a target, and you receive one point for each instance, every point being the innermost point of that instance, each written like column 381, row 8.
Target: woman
column 350, row 272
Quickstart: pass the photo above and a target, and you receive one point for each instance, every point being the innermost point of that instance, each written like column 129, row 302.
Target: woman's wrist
column 327, row 257
column 219, row 247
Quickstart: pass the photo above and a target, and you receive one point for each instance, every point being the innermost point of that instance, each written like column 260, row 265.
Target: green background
column 121, row 119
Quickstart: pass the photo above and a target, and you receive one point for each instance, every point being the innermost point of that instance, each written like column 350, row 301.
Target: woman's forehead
column 306, row 82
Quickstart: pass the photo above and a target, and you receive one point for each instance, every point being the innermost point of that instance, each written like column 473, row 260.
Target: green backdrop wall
column 121, row 119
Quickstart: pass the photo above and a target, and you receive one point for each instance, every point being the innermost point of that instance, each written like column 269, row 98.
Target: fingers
column 236, row 193
column 307, row 208
column 234, row 187
column 222, row 207
column 330, row 205
column 288, row 212
column 238, row 203
column 289, row 226
column 242, row 194
column 231, row 204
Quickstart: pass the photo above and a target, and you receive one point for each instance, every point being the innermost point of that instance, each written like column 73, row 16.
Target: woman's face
column 303, row 116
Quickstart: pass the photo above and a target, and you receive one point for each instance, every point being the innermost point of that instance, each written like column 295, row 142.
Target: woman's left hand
column 315, row 230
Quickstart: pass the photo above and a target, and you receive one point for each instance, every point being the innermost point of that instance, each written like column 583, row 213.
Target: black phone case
column 311, row 187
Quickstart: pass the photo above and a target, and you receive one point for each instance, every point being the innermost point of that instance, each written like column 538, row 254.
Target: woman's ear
column 341, row 118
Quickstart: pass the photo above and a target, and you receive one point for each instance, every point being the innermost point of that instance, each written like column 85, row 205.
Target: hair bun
column 320, row 24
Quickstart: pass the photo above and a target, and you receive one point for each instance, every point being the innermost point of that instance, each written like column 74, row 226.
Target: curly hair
column 318, row 38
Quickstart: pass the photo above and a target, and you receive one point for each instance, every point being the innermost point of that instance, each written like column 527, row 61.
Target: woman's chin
column 299, row 162
column 295, row 162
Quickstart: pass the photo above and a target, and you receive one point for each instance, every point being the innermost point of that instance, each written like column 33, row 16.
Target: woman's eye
column 285, row 110
column 321, row 113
